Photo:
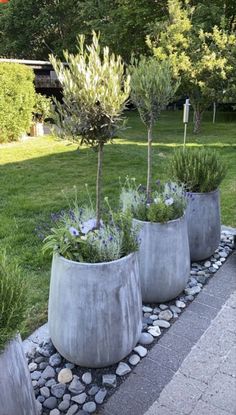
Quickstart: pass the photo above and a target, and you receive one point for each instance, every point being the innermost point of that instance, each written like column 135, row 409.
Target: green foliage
column 76, row 237
column 200, row 170
column 152, row 87
column 167, row 203
column 17, row 96
column 94, row 93
column 203, row 59
column 13, row 299
column 42, row 107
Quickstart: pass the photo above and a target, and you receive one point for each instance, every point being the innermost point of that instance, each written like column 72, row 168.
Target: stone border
column 147, row 380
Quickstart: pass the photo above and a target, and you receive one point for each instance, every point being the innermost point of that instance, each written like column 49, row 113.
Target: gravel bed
column 64, row 388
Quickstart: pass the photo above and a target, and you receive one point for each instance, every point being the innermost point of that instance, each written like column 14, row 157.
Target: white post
column 186, row 118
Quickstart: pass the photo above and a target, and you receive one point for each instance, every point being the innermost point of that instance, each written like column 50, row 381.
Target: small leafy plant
column 76, row 237
column 42, row 107
column 13, row 300
column 201, row 170
column 167, row 203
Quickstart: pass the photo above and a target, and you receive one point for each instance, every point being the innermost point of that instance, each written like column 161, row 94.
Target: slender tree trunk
column 149, row 170
column 214, row 112
column 197, row 119
column 98, row 186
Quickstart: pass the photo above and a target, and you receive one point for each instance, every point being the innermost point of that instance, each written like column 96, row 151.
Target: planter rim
column 204, row 193
column 95, row 264
column 161, row 223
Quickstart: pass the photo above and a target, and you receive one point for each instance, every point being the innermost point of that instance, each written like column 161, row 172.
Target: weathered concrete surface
column 203, row 218
column 164, row 259
column 16, row 390
column 98, row 301
column 205, row 383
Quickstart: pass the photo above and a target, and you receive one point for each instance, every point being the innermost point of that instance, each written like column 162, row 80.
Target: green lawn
column 34, row 173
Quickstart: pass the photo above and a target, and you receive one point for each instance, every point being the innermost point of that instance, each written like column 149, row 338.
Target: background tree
column 201, row 58
column 94, row 94
column 152, row 87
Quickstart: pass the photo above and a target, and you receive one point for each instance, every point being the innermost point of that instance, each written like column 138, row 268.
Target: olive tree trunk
column 149, row 168
column 99, row 185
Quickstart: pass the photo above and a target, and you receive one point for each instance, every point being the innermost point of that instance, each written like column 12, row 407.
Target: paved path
column 192, row 368
column 205, row 383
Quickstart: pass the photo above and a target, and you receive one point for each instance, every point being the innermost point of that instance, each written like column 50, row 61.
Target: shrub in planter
column 152, row 87
column 201, row 171
column 164, row 251
column 17, row 95
column 16, row 391
column 95, row 287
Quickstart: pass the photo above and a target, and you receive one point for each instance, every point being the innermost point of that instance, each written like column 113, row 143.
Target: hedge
column 17, row 98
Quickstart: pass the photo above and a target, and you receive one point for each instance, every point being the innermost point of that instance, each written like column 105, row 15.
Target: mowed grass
column 38, row 175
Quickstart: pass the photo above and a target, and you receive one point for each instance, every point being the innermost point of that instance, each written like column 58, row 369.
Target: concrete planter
column 203, row 217
column 95, row 310
column 16, row 390
column 164, row 259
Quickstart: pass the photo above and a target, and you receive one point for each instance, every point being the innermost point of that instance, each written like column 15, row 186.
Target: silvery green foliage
column 152, row 87
column 167, row 202
column 94, row 93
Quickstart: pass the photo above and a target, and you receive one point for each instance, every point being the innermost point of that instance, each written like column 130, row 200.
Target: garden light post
column 185, row 118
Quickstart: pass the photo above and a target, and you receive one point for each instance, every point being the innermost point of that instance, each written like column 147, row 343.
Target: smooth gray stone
column 93, row 390
column 180, row 304
column 92, row 287
column 147, row 309
column 134, row 359
column 145, row 338
column 165, row 315
column 100, row 396
column 35, row 375
column 142, row 351
column 154, row 330
column 204, row 227
column 58, row 390
column 123, row 369
column 76, row 386
column 89, row 407
column 65, row 375
column 55, row 360
column 72, row 410
column 50, row 382
column 32, row 367
column 193, row 290
column 44, row 391
column 175, row 309
column 64, row 405
column 80, row 399
column 41, row 398
column 48, row 373
column 41, row 382
column 109, row 381
column 87, row 378
column 50, row 403
column 162, row 323
column 54, row 412
column 164, row 259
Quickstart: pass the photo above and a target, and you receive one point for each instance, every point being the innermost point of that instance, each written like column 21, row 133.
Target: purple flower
column 73, row 231
column 89, row 225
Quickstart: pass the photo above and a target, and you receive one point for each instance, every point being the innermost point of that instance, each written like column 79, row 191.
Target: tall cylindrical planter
column 203, row 217
column 16, row 390
column 164, row 259
column 95, row 310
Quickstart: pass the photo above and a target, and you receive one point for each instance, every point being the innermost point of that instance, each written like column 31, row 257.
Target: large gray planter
column 164, row 259
column 203, row 217
column 95, row 310
column 16, row 390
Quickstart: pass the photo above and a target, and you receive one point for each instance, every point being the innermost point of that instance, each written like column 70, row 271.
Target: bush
column 13, row 296
column 17, row 97
column 42, row 107
column 200, row 170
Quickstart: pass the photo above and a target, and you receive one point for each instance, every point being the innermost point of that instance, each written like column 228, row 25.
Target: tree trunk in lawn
column 197, row 119
column 214, row 113
column 98, row 186
column 149, row 171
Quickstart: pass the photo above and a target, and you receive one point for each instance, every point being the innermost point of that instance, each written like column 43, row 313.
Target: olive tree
column 152, row 87
column 95, row 91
